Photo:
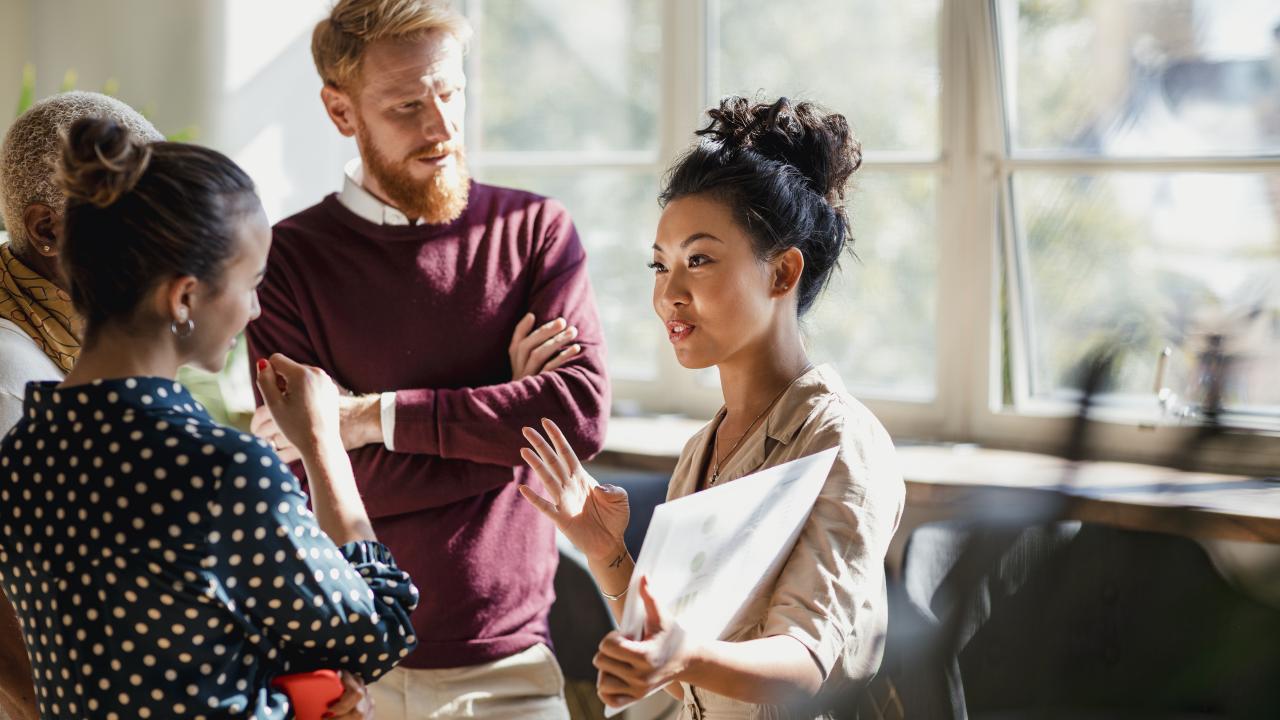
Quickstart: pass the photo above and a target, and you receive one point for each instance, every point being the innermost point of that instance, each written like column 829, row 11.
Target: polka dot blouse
column 164, row 566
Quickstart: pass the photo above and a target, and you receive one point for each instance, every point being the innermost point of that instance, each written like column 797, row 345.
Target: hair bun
column 101, row 161
column 818, row 144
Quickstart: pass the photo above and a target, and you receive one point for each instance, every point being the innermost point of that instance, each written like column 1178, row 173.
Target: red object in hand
column 310, row 693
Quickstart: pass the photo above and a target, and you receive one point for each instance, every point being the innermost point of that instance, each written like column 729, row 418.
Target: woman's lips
column 678, row 331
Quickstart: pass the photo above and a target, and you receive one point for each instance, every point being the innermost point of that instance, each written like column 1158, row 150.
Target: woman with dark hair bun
column 752, row 229
column 162, row 565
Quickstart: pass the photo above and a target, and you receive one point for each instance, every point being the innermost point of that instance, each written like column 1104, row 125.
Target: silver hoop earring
column 183, row 329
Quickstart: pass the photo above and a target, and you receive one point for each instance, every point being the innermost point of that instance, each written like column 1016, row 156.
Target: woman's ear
column 787, row 269
column 176, row 299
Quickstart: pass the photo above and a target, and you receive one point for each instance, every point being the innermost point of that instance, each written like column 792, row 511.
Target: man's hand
column 540, row 350
column 360, row 420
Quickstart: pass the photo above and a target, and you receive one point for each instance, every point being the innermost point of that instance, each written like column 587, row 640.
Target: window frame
column 1043, row 425
column 978, row 255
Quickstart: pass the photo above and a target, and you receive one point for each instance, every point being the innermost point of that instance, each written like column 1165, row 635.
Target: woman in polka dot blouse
column 162, row 565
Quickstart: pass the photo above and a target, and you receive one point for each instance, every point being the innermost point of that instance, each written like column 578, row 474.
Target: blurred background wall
column 232, row 74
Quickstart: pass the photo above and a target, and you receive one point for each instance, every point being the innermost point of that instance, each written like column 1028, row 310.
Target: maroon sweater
column 428, row 311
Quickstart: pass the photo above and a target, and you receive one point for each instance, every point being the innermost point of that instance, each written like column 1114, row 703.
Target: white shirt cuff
column 389, row 420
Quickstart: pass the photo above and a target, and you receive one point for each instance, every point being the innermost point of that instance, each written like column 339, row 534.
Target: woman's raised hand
column 303, row 401
column 591, row 515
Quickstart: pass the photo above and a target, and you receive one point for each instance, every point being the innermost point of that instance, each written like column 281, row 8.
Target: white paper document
column 706, row 553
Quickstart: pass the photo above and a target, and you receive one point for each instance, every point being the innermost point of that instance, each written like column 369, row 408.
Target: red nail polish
column 262, row 365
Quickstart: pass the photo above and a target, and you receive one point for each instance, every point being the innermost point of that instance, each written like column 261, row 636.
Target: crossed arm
column 463, row 440
column 532, row 351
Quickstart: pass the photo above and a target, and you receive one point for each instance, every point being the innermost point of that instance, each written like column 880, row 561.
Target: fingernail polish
column 262, row 364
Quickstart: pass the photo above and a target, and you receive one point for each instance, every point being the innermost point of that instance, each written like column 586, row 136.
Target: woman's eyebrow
column 692, row 239
column 698, row 236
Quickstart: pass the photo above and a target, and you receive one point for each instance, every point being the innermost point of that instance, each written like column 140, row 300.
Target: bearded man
column 456, row 313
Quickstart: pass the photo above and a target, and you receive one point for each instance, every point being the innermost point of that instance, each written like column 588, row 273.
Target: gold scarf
column 40, row 308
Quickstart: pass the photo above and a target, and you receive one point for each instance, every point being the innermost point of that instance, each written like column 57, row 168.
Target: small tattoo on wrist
column 617, row 562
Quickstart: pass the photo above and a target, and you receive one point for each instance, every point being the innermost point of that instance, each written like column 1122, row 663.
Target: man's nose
column 436, row 126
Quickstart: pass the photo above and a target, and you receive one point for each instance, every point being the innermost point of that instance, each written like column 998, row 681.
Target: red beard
column 437, row 200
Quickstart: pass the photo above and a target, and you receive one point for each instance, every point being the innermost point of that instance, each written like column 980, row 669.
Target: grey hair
column 32, row 146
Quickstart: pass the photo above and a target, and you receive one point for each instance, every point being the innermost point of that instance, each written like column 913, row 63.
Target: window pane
column 616, row 213
column 565, row 74
column 874, row 61
column 1143, row 77
column 877, row 319
column 1149, row 260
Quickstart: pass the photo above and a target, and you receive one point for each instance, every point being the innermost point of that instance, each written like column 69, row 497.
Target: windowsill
column 985, row 481
column 647, row 442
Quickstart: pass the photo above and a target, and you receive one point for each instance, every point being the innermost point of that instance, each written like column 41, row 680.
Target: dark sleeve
column 279, row 329
column 339, row 607
column 483, row 424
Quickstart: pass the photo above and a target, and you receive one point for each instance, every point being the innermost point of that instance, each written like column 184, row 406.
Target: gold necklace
column 715, row 441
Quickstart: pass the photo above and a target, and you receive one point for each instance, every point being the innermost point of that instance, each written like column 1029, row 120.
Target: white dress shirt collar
column 360, row 201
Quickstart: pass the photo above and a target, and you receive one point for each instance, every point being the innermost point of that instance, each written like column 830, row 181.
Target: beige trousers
column 528, row 685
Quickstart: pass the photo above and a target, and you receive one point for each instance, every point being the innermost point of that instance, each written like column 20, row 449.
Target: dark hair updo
column 139, row 214
column 782, row 168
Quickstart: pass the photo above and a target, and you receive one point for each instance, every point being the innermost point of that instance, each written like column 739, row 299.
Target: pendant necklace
column 715, row 441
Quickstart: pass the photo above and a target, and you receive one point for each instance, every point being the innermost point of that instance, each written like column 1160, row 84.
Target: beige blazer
column 830, row 593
